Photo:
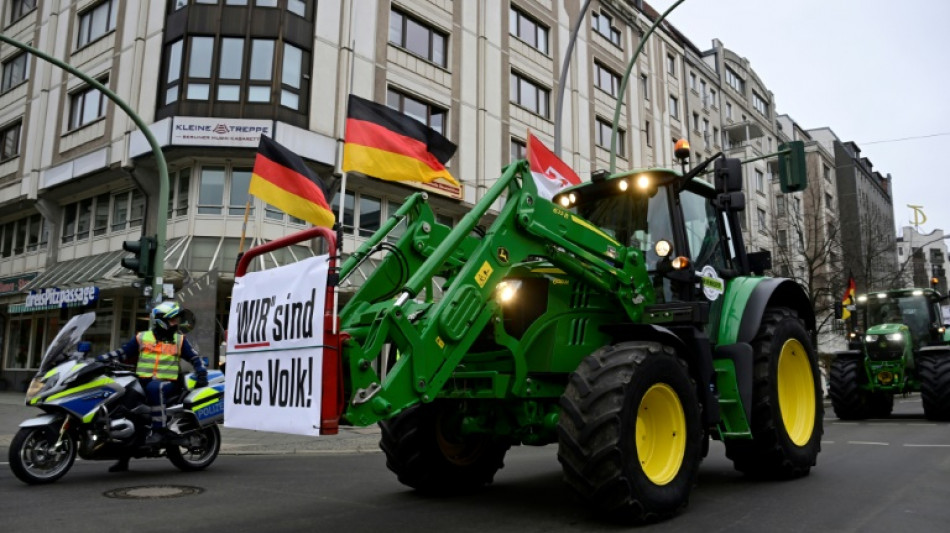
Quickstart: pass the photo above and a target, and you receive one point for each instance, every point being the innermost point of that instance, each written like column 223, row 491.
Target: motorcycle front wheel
column 36, row 459
column 199, row 452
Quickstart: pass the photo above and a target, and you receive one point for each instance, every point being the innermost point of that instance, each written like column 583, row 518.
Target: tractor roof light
column 681, row 149
column 644, row 182
column 862, row 298
column 623, row 185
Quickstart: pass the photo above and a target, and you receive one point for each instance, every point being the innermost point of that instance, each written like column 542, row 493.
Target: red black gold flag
column 387, row 144
column 283, row 180
column 848, row 298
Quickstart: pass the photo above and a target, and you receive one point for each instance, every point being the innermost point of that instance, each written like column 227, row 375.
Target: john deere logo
column 503, row 255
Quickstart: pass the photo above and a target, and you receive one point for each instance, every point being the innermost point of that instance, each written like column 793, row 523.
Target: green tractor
column 904, row 349
column 622, row 320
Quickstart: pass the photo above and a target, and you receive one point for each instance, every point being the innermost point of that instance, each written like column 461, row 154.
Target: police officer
column 159, row 351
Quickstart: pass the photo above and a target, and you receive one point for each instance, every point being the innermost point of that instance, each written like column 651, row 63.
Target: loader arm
column 432, row 338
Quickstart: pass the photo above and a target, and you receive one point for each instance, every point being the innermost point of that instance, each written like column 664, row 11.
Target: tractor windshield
column 915, row 312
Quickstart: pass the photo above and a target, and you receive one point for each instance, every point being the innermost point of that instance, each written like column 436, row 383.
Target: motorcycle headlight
column 870, row 338
column 40, row 385
column 895, row 337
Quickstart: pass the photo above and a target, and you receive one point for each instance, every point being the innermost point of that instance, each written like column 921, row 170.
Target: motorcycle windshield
column 65, row 341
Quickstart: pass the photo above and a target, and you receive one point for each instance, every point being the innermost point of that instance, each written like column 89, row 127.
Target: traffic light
column 793, row 176
column 143, row 251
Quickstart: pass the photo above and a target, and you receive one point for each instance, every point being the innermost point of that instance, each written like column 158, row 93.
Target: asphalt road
column 874, row 476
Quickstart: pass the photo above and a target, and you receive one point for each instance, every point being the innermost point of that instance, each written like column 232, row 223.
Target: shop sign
column 54, row 297
column 16, row 283
column 223, row 132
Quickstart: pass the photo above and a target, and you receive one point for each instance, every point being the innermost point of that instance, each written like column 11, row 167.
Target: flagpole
column 247, row 209
column 339, row 218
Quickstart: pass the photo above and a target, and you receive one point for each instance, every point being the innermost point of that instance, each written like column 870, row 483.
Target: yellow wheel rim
column 796, row 392
column 661, row 434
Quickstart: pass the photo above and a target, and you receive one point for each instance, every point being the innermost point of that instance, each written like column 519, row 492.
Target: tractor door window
column 659, row 226
column 702, row 232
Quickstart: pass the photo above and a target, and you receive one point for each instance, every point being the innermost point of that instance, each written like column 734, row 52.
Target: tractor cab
column 917, row 310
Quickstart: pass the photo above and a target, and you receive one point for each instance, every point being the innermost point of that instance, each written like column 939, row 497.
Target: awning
column 104, row 270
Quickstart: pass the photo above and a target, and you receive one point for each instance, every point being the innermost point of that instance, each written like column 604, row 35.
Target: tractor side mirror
column 728, row 175
column 792, row 174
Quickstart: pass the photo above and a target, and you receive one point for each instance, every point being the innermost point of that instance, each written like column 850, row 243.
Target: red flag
column 549, row 172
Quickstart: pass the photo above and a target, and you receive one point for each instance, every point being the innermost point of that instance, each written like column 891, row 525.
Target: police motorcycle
column 98, row 411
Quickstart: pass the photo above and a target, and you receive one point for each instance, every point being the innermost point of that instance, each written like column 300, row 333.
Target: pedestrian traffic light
column 143, row 257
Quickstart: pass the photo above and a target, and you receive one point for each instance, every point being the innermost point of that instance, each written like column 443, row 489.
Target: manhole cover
column 153, row 492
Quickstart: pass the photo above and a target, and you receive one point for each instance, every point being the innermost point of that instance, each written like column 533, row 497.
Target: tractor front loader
column 623, row 320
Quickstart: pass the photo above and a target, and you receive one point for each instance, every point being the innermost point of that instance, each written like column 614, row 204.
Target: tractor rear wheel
column 426, row 450
column 848, row 399
column 786, row 401
column 934, row 371
column 629, row 434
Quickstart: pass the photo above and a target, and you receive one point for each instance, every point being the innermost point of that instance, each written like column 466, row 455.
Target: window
column 759, row 182
column 763, row 226
column 200, row 67
column 729, row 110
column 645, row 86
column 692, row 81
column 603, row 25
column 671, row 64
column 734, row 81
column 529, row 95
column 10, row 141
column 780, row 205
column 759, row 104
column 239, row 197
column 173, row 80
column 100, row 218
column 674, row 107
column 782, row 238
column 528, row 30
column 646, row 133
column 695, row 121
column 291, row 77
column 96, row 22
column 86, row 105
column 829, row 201
column 518, row 149
column 297, row 7
column 826, row 172
column 15, row 71
column 603, row 134
column 417, row 37
column 261, row 70
column 230, row 69
column 430, row 115
column 211, row 191
column 712, row 98
column 369, row 214
column 606, row 80
column 715, row 135
column 703, row 92
column 19, row 9
column 178, row 192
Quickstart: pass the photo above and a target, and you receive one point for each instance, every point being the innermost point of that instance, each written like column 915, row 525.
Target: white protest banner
column 275, row 353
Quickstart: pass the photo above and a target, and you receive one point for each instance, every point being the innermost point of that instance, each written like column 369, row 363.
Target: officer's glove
column 201, row 379
column 104, row 358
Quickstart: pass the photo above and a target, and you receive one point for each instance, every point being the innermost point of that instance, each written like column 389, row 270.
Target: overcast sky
column 871, row 70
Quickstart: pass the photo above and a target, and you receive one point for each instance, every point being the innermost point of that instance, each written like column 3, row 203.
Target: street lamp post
column 158, row 266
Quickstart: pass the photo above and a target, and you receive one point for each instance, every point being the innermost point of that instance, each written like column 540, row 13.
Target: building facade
column 208, row 77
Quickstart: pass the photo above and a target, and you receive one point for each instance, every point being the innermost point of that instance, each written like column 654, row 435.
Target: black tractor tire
column 33, row 459
column 934, row 371
column 848, row 399
column 630, row 436
column 881, row 404
column 424, row 447
column 199, row 452
column 787, row 405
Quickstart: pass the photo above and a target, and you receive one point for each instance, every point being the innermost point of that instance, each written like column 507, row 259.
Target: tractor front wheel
column 786, row 401
column 934, row 371
column 629, row 434
column 848, row 399
column 427, row 451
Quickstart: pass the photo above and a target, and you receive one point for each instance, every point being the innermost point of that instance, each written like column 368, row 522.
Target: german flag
column 282, row 179
column 386, row 144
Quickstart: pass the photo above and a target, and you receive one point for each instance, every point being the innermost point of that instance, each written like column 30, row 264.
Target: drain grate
column 153, row 492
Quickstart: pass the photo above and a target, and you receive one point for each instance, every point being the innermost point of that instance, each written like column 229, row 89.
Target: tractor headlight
column 506, row 291
column 663, row 248
column 895, row 337
column 870, row 338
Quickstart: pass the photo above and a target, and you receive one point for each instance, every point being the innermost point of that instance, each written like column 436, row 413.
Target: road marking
column 869, row 443
column 927, row 445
